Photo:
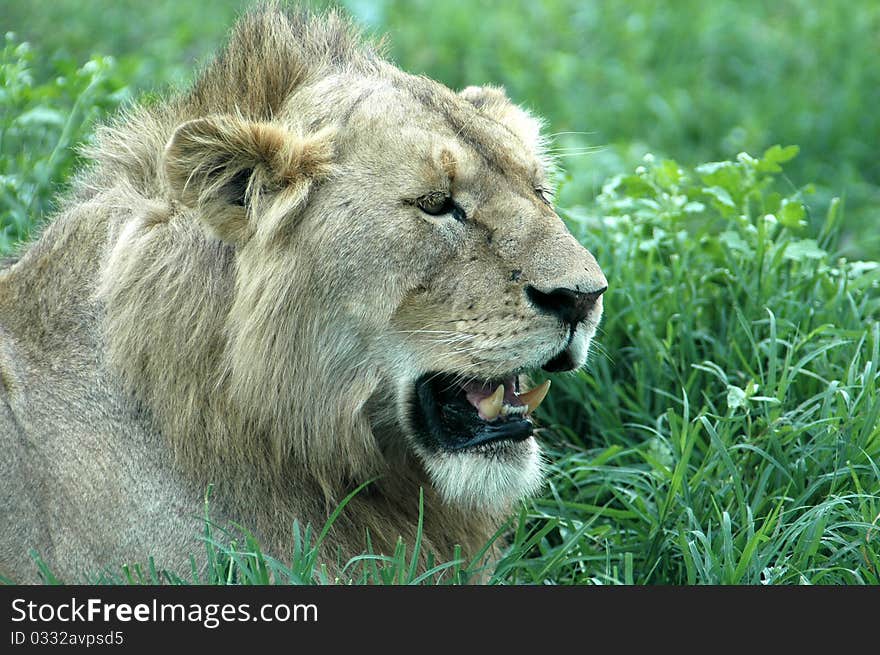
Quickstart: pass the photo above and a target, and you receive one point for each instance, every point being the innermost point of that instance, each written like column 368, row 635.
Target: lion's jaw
column 480, row 456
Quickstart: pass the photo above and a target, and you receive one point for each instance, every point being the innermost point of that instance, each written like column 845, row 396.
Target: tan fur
column 240, row 291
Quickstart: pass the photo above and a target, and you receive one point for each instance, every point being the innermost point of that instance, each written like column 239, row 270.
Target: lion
column 309, row 272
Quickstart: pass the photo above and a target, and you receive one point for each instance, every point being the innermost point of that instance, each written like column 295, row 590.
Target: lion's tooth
column 535, row 397
column 490, row 406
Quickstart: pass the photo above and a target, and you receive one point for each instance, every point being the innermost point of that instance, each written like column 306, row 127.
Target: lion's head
column 361, row 266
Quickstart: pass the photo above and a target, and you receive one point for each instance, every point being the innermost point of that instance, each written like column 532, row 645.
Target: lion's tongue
column 501, row 399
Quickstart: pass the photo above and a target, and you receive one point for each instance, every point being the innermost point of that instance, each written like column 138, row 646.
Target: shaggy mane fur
column 227, row 389
column 271, row 51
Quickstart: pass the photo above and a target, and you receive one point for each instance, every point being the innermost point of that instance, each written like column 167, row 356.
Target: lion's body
column 218, row 303
column 81, row 466
column 88, row 479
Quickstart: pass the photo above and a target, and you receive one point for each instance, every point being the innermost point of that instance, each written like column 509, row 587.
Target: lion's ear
column 494, row 103
column 230, row 169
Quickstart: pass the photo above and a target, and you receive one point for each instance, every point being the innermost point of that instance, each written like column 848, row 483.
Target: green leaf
column 635, row 186
column 735, row 242
column 721, row 195
column 736, row 397
column 792, row 214
column 774, row 156
column 724, row 174
column 40, row 116
column 803, row 249
column 668, row 174
column 712, row 167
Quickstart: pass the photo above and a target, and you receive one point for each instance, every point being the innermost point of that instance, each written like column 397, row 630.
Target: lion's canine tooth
column 535, row 397
column 490, row 406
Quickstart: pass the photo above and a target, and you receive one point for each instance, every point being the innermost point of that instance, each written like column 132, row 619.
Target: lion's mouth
column 455, row 415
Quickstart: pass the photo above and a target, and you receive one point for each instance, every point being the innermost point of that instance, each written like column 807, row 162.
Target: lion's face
column 447, row 259
column 399, row 272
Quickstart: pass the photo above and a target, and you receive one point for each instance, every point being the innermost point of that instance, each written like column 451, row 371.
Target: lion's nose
column 570, row 305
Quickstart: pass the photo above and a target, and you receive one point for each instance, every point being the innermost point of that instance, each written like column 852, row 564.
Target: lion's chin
column 492, row 478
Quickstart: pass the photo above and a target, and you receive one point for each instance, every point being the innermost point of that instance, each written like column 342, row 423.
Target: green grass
column 732, row 432
column 727, row 429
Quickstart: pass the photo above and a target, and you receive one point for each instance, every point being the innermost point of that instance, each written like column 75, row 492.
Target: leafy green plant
column 690, row 79
column 730, row 432
column 41, row 122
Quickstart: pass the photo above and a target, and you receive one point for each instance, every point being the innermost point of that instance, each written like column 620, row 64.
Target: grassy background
column 694, row 80
column 727, row 430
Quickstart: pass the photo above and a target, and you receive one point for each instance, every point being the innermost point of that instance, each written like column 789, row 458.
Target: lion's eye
column 438, row 204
